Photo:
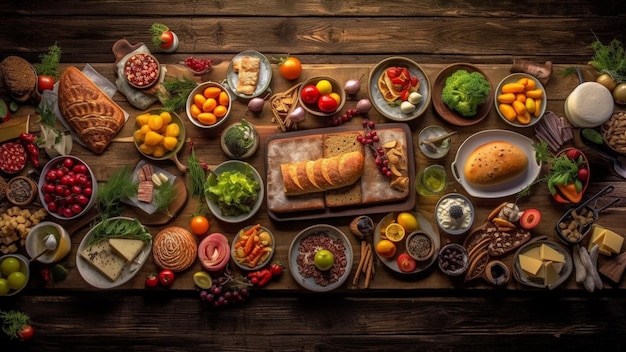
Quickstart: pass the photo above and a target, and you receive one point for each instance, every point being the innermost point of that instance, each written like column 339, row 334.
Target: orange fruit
column 199, row 225
column 209, row 105
column 394, row 232
column 195, row 110
column 212, row 92
column 223, row 99
column 386, row 248
column 207, row 118
column 220, row 111
column 199, row 99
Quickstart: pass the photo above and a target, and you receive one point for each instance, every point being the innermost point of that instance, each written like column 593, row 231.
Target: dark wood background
column 322, row 32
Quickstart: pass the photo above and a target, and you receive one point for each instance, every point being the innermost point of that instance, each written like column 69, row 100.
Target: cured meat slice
column 144, row 192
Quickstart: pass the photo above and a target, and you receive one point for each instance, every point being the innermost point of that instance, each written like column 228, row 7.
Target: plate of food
column 393, row 249
column 320, row 258
column 249, row 74
column 150, row 180
column 511, row 164
column 399, row 89
column 113, row 252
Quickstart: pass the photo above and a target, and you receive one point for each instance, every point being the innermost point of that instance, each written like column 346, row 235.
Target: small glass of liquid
column 432, row 181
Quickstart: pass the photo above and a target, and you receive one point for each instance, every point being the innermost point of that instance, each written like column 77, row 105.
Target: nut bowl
column 454, row 213
column 234, row 212
column 532, row 117
column 15, row 277
column 450, row 115
column 314, row 108
column 207, row 107
column 63, row 198
column 265, row 243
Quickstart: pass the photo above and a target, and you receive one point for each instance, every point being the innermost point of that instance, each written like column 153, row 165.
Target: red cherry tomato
column 167, row 39
column 406, row 263
column 326, row 103
column 152, row 280
column 290, row 68
column 310, row 94
column 45, row 82
column 199, row 225
column 26, row 333
column 166, row 277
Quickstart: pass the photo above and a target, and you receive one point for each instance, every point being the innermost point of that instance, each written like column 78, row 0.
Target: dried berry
column 456, row 211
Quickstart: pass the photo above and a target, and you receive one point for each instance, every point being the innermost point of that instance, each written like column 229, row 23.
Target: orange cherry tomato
column 290, row 68
column 199, row 225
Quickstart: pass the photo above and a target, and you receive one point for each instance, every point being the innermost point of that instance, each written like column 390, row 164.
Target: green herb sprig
column 118, row 228
column 50, row 62
column 610, row 59
column 110, row 194
column 156, row 29
column 176, row 92
column 48, row 118
column 197, row 176
column 162, row 199
column 13, row 321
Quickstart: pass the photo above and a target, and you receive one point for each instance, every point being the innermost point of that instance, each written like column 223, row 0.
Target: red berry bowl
column 67, row 187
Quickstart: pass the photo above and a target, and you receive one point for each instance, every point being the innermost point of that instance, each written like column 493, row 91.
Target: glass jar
column 432, row 181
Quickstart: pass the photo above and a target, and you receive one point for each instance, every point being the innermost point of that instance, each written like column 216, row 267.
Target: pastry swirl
column 174, row 248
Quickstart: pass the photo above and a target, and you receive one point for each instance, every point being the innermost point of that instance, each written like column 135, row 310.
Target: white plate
column 383, row 107
column 504, row 189
column 265, row 75
column 309, row 283
column 96, row 279
column 148, row 208
column 234, row 165
column 425, row 226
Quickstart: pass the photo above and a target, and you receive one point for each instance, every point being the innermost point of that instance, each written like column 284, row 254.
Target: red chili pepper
column 276, row 269
column 254, row 280
column 265, row 279
column 27, row 137
column 33, row 153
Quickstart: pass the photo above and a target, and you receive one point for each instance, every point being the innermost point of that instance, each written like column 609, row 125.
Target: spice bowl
column 21, row 190
column 419, row 246
column 453, row 259
column 454, row 213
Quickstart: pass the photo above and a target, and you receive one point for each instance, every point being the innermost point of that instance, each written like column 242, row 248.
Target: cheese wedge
column 100, row 257
column 608, row 241
column 548, row 253
column 126, row 248
column 551, row 274
column 530, row 265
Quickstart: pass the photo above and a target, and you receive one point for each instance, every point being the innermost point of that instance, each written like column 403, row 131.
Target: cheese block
column 104, row 260
column 126, row 248
column 530, row 265
column 608, row 241
column 551, row 274
column 12, row 128
column 590, row 104
column 548, row 253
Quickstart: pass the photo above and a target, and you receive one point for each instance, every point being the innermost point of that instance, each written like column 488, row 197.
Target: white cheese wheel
column 589, row 105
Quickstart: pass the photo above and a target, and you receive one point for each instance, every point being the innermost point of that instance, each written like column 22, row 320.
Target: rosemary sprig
column 177, row 92
column 110, row 194
column 12, row 322
column 197, row 176
column 118, row 228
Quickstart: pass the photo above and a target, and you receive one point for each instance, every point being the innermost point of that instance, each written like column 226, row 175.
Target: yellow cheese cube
column 612, row 241
column 12, row 128
column 551, row 274
column 548, row 253
column 529, row 264
column 597, row 235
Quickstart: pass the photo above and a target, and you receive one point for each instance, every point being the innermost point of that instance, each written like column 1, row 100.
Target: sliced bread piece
column 336, row 144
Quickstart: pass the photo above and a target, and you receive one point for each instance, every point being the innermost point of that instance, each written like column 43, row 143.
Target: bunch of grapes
column 370, row 140
column 347, row 116
column 226, row 290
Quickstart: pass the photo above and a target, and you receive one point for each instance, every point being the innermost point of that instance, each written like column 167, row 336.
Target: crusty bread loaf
column 327, row 173
column 495, row 162
column 91, row 114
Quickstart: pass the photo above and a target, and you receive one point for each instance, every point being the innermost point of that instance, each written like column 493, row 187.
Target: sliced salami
column 12, row 157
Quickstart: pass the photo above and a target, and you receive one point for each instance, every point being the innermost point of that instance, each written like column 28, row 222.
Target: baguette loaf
column 311, row 176
column 91, row 114
column 495, row 162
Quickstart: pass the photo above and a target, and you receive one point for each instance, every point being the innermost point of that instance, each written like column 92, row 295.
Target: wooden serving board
column 384, row 206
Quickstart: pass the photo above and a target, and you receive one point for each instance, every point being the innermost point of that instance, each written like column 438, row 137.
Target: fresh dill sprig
column 177, row 92
column 162, row 199
column 110, row 194
column 50, row 62
column 197, row 176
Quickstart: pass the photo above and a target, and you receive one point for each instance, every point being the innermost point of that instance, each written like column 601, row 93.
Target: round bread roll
column 174, row 248
column 495, row 162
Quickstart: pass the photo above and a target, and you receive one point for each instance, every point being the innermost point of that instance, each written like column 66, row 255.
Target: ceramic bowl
column 266, row 240
column 24, row 269
column 535, row 117
column 446, row 219
column 21, row 190
column 450, row 115
column 264, row 78
column 419, row 246
column 453, row 259
column 193, row 109
column 234, row 166
column 142, row 70
column 392, row 111
column 170, row 153
column 563, row 270
column 35, row 242
column 250, row 133
column 434, row 150
column 52, row 201
column 313, row 108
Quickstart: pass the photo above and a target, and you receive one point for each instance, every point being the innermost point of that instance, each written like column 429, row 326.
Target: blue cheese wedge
column 126, row 248
column 104, row 260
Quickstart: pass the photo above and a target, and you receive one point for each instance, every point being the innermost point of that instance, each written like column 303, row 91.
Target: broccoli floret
column 239, row 138
column 464, row 92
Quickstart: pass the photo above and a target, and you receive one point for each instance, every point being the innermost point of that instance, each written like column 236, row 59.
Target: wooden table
column 396, row 312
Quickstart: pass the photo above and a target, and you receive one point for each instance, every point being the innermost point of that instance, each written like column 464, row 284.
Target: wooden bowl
column 142, row 70
column 450, row 115
column 25, row 185
column 312, row 108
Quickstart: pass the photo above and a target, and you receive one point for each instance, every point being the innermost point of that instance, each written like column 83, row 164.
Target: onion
column 256, row 104
column 619, row 94
column 214, row 252
column 297, row 115
column 606, row 80
column 352, row 86
column 363, row 106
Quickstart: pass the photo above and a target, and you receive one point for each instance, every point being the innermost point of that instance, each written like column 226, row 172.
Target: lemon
column 408, row 221
column 394, row 232
column 324, row 87
column 203, row 280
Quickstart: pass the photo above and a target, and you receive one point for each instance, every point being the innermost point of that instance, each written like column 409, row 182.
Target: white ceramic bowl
column 199, row 90
column 24, row 269
column 240, row 166
column 446, row 222
column 35, row 242
column 515, row 77
column 45, row 198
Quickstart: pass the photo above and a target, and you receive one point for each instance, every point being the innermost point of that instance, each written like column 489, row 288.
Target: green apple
column 9, row 265
column 16, row 280
column 4, row 286
column 324, row 259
